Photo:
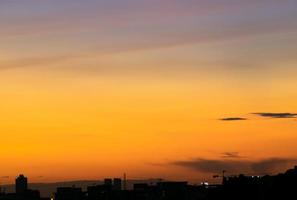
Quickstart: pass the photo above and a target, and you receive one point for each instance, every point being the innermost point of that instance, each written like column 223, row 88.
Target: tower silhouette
column 21, row 184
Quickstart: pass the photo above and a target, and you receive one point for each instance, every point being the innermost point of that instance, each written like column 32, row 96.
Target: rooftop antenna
column 222, row 176
column 125, row 182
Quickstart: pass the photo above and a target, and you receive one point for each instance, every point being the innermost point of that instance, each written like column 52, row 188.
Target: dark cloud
column 233, row 119
column 231, row 155
column 266, row 166
column 213, row 166
column 272, row 165
column 276, row 115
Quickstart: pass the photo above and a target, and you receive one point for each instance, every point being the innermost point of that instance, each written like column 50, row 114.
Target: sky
column 177, row 89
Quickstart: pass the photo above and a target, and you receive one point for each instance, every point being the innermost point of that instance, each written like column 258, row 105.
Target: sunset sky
column 178, row 89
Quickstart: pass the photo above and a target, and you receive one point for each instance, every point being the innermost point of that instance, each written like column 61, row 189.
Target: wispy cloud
column 231, row 155
column 34, row 61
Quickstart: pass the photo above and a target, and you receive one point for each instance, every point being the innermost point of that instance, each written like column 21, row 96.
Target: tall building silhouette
column 117, row 184
column 21, row 184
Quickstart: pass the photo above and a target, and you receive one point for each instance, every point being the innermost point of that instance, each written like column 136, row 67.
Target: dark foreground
column 241, row 187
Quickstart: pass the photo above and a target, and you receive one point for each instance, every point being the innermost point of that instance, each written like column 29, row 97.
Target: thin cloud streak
column 34, row 62
column 276, row 115
column 233, row 155
column 233, row 119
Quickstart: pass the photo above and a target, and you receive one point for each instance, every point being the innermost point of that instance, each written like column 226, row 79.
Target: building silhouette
column 21, row 191
column 21, row 184
column 117, row 184
column 108, row 181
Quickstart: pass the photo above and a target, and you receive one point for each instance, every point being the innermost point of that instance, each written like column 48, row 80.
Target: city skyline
column 241, row 186
column 171, row 89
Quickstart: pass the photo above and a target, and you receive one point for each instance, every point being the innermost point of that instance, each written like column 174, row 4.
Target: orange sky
column 80, row 102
